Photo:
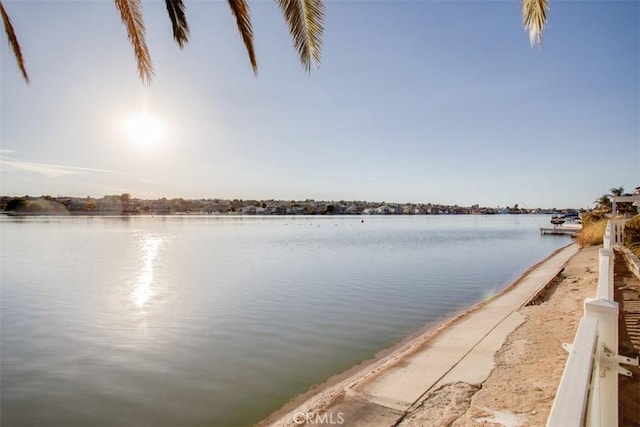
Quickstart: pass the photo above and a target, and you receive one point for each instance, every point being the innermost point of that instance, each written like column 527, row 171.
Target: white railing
column 570, row 405
column 588, row 391
column 616, row 230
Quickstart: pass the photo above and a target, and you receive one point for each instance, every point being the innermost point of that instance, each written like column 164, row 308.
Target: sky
column 414, row 101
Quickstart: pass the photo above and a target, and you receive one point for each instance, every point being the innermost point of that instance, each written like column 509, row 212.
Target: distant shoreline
column 196, row 214
column 125, row 204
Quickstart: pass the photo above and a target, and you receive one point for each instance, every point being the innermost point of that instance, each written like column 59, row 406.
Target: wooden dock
column 567, row 230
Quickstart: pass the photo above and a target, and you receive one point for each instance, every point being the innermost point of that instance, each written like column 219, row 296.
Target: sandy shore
column 518, row 391
column 521, row 388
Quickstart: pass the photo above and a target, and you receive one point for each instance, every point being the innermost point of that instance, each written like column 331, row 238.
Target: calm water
column 218, row 321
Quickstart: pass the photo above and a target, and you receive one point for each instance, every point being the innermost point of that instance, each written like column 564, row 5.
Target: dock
column 567, row 230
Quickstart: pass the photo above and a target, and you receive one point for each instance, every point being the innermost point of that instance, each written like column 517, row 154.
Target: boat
column 572, row 218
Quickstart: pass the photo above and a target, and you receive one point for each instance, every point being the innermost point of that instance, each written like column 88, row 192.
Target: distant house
column 383, row 210
column 159, row 208
column 634, row 200
column 249, row 210
column 109, row 205
column 279, row 210
column 355, row 209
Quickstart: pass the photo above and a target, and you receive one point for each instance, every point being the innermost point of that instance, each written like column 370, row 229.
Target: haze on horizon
column 414, row 102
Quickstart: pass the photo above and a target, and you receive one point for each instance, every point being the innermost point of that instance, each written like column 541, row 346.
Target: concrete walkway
column 462, row 351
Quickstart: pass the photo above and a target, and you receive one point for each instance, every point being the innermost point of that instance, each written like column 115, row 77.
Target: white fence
column 615, row 227
column 588, row 391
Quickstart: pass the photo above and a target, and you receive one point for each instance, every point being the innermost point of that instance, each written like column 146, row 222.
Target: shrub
column 593, row 216
column 592, row 233
column 632, row 234
column 16, row 204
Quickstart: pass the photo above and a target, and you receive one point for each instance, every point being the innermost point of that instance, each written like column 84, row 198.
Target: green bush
column 632, row 234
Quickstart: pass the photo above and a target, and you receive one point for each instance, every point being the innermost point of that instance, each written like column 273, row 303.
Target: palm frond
column 534, row 18
column 240, row 10
column 617, row 191
column 178, row 21
column 305, row 19
column 13, row 41
column 131, row 14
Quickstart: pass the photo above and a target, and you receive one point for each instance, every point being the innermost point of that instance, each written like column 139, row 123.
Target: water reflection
column 185, row 320
column 151, row 245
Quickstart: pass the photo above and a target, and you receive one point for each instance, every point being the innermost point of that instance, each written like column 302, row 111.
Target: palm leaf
column 305, row 20
column 13, row 41
column 131, row 14
column 240, row 10
column 617, row 191
column 178, row 21
column 534, row 18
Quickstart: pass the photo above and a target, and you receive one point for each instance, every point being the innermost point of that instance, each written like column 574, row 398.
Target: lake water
column 218, row 321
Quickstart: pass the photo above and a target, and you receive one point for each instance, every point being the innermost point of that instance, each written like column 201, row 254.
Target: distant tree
column 617, row 191
column 603, row 203
column 125, row 198
column 35, row 206
column 17, row 204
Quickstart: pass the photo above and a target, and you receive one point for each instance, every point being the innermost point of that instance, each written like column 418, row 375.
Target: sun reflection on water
column 151, row 245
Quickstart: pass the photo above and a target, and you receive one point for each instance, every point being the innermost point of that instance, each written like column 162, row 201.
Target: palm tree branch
column 13, row 41
column 176, row 10
column 617, row 191
column 240, row 10
column 131, row 14
column 305, row 19
column 534, row 18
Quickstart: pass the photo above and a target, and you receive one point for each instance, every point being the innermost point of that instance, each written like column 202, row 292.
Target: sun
column 145, row 130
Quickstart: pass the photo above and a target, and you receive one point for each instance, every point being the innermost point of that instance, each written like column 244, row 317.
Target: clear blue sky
column 418, row 101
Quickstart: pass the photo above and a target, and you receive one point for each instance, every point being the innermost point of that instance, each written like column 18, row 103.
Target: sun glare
column 145, row 130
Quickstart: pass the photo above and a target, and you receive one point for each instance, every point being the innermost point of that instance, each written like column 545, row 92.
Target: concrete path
column 463, row 351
